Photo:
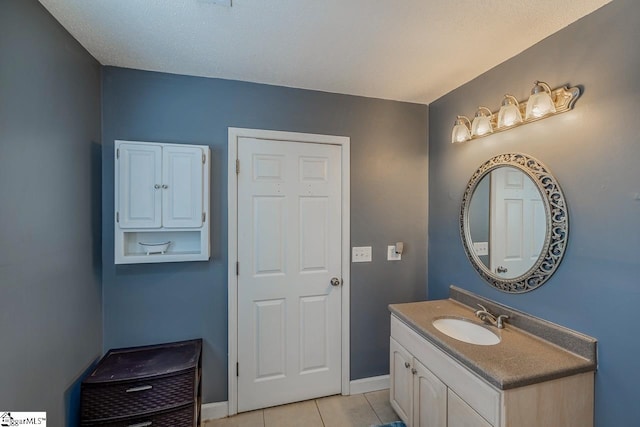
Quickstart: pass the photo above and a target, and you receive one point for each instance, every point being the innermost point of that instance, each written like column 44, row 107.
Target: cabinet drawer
column 181, row 417
column 128, row 398
column 483, row 398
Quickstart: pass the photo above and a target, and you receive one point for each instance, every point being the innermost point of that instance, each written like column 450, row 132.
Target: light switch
column 361, row 254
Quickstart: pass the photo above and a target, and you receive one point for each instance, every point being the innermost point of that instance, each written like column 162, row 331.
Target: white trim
column 213, row 411
column 366, row 385
column 232, row 211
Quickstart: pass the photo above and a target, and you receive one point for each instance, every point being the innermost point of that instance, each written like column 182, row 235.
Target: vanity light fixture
column 543, row 102
column 461, row 132
column 509, row 113
column 482, row 122
column 540, row 103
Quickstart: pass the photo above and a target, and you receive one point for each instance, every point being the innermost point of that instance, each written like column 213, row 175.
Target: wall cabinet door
column 182, row 183
column 401, row 387
column 429, row 398
column 462, row 415
column 139, row 186
column 160, row 186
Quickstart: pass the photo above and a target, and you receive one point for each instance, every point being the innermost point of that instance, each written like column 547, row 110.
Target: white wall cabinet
column 431, row 389
column 161, row 202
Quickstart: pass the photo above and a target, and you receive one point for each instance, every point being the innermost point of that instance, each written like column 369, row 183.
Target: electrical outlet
column 481, row 248
column 392, row 255
column 361, row 254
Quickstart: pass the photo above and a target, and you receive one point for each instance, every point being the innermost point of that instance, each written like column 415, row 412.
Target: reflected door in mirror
column 517, row 222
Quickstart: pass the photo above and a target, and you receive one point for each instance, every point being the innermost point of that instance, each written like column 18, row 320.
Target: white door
column 289, row 249
column 518, row 224
column 139, row 183
column 183, row 185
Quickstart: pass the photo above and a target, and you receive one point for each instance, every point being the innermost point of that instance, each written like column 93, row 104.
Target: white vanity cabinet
column 428, row 388
column 161, row 202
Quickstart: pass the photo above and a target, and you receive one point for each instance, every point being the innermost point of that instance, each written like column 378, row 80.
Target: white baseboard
column 214, row 411
column 366, row 385
column 217, row 410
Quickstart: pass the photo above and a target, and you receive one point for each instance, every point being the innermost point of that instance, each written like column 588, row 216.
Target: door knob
column 501, row 269
column 335, row 281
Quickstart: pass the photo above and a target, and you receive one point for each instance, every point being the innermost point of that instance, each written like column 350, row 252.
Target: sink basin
column 465, row 330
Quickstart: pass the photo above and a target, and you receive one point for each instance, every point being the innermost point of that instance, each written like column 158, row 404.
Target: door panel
column 289, row 239
column 314, row 226
column 269, row 228
column 270, row 339
column 315, row 342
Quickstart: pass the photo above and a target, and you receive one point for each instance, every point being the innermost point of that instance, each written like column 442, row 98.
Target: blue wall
column 50, row 294
column 594, row 152
column 164, row 302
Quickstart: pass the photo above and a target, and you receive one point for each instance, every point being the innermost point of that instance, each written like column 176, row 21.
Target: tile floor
column 359, row 410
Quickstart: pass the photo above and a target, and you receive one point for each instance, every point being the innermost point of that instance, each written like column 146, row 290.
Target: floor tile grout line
column 319, row 412
column 372, row 408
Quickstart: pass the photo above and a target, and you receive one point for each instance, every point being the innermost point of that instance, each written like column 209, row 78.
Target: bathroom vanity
column 538, row 374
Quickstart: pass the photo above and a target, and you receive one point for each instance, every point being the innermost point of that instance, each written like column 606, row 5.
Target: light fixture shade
column 509, row 113
column 482, row 122
column 460, row 131
column 540, row 103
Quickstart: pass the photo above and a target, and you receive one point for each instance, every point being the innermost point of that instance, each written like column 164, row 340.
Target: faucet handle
column 482, row 308
column 501, row 321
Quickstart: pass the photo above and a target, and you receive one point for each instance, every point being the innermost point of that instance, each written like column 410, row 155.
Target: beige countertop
column 519, row 358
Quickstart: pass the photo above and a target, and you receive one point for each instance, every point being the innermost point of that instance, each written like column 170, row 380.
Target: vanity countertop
column 519, row 359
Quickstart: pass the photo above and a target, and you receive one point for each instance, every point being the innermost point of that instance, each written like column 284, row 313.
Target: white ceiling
column 406, row 50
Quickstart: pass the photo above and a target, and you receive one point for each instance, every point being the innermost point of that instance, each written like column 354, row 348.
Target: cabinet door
column 139, row 191
column 429, row 398
column 401, row 390
column 462, row 415
column 182, row 186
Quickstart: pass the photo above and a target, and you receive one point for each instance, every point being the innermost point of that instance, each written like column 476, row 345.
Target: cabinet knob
column 157, row 186
column 165, row 186
column 414, row 371
column 406, row 365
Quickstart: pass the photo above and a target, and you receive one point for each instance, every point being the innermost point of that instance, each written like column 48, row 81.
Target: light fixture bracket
column 563, row 99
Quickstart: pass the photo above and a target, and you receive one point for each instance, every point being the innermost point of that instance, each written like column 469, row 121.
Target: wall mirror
column 514, row 222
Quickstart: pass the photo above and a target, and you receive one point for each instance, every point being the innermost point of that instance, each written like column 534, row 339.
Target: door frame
column 232, row 210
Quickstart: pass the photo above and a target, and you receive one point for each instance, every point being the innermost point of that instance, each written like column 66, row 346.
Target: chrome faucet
column 486, row 316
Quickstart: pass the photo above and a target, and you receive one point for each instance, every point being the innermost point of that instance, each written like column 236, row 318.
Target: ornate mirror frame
column 557, row 223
